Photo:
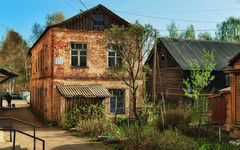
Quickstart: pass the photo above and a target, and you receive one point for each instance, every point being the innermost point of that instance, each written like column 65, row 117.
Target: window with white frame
column 117, row 101
column 79, row 54
column 113, row 55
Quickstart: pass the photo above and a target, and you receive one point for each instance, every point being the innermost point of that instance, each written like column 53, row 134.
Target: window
column 98, row 19
column 46, row 57
column 162, row 60
column 113, row 55
column 227, row 80
column 45, row 99
column 79, row 54
column 117, row 101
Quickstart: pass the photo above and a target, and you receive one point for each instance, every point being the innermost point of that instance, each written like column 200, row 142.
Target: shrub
column 141, row 138
column 96, row 127
column 175, row 140
column 84, row 112
column 121, row 120
column 175, row 119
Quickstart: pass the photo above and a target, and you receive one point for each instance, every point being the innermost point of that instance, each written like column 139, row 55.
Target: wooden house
column 69, row 62
column 233, row 112
column 172, row 66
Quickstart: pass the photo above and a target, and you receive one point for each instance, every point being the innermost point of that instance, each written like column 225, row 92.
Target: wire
column 92, row 15
column 71, row 6
column 163, row 18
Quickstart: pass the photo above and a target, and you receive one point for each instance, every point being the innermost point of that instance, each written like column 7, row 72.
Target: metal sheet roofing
column 6, row 75
column 88, row 91
column 183, row 50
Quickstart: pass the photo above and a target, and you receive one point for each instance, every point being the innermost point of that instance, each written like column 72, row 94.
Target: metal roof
column 183, row 50
column 7, row 74
column 88, row 91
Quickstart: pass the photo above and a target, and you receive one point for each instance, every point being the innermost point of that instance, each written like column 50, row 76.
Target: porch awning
column 6, row 75
column 88, row 91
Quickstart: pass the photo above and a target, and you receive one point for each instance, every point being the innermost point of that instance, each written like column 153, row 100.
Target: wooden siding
column 219, row 110
column 237, row 100
column 87, row 21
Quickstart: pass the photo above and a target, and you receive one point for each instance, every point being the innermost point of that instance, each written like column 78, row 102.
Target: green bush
column 96, row 127
column 141, row 138
column 204, row 145
column 121, row 120
column 174, row 140
column 175, row 119
column 84, row 112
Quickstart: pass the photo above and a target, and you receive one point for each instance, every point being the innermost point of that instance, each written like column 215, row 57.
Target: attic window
column 98, row 19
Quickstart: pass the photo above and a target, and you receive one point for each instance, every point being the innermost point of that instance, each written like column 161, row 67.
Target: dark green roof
column 183, row 50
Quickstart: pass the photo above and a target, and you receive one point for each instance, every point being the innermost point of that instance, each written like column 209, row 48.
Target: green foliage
column 54, row 18
column 136, row 41
column 85, row 112
column 96, row 127
column 200, row 75
column 121, row 120
column 205, row 36
column 175, row 119
column 205, row 145
column 188, row 34
column 229, row 30
column 14, row 49
column 172, row 30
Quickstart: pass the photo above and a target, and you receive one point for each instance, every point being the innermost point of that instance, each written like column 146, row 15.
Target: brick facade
column 46, row 74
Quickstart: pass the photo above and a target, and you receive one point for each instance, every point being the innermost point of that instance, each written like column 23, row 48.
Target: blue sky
column 20, row 15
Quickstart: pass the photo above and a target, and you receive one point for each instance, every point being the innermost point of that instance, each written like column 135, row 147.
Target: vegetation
column 134, row 42
column 14, row 56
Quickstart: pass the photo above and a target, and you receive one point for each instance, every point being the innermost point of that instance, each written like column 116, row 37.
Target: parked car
column 16, row 96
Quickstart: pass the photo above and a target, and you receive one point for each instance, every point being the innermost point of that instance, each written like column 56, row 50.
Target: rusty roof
column 88, row 91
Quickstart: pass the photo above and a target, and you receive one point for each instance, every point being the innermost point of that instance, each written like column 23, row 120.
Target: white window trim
column 79, row 54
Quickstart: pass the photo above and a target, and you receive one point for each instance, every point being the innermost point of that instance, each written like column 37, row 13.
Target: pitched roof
column 61, row 24
column 6, row 75
column 183, row 50
column 88, row 91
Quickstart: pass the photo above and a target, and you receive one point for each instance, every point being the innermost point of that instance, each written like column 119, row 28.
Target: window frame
column 111, row 91
column 79, row 55
column 116, row 56
column 97, row 21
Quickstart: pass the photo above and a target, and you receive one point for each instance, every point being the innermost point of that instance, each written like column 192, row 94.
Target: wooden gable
column 96, row 18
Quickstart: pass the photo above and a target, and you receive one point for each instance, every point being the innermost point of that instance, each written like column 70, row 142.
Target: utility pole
column 154, row 70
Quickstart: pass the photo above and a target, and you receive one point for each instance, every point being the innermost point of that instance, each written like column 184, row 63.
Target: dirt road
column 56, row 138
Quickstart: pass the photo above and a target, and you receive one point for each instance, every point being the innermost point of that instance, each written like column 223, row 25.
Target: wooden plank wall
column 219, row 110
column 237, row 99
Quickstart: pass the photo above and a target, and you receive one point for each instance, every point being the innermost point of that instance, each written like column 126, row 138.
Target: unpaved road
column 56, row 138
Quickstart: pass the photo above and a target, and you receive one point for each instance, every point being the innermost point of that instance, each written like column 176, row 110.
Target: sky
column 20, row 15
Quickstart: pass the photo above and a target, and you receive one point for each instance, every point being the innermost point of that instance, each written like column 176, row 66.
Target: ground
column 56, row 138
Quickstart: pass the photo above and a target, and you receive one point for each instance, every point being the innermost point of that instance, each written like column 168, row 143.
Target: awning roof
column 6, row 75
column 88, row 91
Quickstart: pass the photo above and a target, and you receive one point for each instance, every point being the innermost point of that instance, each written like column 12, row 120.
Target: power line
column 71, row 6
column 92, row 15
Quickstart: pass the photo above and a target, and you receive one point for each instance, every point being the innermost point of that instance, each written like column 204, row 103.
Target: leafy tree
column 37, row 30
column 54, row 18
column 205, row 36
column 14, row 54
column 134, row 42
column 172, row 30
column 228, row 30
column 189, row 33
column 200, row 77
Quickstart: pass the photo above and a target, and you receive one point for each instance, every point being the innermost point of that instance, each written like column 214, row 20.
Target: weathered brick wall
column 58, row 46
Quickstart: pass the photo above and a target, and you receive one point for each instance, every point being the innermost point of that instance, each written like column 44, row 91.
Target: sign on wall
column 59, row 61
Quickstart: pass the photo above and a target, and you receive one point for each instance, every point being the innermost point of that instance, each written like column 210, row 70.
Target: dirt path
column 56, row 139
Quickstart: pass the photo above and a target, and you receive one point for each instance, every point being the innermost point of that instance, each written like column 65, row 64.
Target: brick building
column 69, row 62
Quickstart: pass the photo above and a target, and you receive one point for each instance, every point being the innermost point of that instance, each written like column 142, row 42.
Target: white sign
column 59, row 61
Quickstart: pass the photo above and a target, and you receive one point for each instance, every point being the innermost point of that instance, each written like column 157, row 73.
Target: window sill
column 79, row 67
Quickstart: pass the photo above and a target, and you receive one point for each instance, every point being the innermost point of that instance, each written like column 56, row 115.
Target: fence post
column 10, row 124
column 14, row 139
column 43, row 145
column 34, row 134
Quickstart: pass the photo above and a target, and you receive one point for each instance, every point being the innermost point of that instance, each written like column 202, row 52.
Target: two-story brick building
column 69, row 62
